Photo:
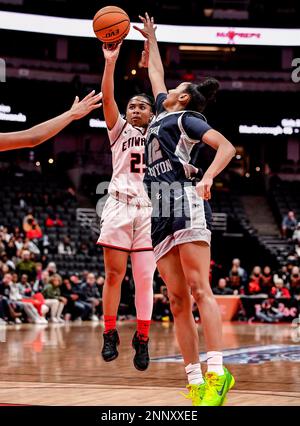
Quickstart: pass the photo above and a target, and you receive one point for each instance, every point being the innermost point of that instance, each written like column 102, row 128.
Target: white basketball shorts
column 125, row 226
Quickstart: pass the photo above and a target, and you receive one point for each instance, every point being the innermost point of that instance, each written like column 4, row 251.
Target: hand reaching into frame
column 82, row 108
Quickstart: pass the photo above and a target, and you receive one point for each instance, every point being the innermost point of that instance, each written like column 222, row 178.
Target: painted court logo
column 248, row 355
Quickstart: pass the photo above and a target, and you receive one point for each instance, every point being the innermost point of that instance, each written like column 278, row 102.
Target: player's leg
column 195, row 262
column 143, row 267
column 116, row 239
column 186, row 331
column 115, row 263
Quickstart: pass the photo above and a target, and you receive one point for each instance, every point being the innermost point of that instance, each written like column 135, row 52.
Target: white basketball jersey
column 127, row 145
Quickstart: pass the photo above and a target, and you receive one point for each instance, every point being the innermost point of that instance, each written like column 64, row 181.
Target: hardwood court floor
column 61, row 365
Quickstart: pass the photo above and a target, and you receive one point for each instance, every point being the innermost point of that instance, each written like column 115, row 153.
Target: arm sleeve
column 114, row 133
column 159, row 102
column 194, row 127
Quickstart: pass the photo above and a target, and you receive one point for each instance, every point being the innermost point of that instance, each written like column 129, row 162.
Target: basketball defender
column 126, row 218
column 181, row 239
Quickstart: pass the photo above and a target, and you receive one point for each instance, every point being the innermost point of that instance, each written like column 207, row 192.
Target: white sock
column 194, row 374
column 215, row 363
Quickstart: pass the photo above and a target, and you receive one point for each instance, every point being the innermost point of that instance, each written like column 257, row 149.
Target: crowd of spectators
column 290, row 230
column 282, row 283
column 33, row 290
column 260, row 282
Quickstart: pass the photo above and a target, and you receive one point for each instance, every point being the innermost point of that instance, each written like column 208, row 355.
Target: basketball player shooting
column 126, row 218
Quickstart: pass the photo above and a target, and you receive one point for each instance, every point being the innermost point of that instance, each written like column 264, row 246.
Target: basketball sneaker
column 141, row 358
column 110, row 342
column 196, row 393
column 216, row 388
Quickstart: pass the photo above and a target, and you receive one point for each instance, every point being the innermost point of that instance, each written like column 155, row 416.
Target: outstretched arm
column 155, row 66
column 110, row 108
column 225, row 152
column 44, row 131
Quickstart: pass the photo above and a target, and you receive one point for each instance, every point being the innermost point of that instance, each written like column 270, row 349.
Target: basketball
column 111, row 24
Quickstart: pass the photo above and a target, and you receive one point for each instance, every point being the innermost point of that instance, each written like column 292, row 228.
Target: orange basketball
column 111, row 24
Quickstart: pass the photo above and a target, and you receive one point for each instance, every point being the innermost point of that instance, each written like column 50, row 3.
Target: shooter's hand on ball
column 111, row 52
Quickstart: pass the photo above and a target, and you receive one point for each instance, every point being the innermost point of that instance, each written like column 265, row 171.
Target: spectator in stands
column 279, row 290
column 19, row 244
column 4, row 315
column 4, row 270
column 222, row 288
column 26, row 266
column 41, row 283
column 25, row 286
column 6, row 261
column 266, row 281
column 161, row 305
column 4, row 235
column 83, row 249
column 236, row 263
column 215, row 273
column 289, row 225
column 13, row 311
column 268, row 311
column 17, row 294
column 84, row 275
column 53, row 220
column 38, row 270
column 295, row 281
column 11, row 249
column 282, row 273
column 31, row 227
column 53, row 298
column 31, row 246
column 51, row 268
column 92, row 295
column 65, row 248
column 81, row 302
column 254, row 286
column 235, row 281
column 296, row 239
column 73, row 309
column 100, row 283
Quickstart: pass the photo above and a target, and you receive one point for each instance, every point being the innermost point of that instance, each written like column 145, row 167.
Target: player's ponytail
column 202, row 94
column 208, row 88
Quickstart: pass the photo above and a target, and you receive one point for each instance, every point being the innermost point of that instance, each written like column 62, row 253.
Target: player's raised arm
column 44, row 131
column 110, row 108
column 155, row 66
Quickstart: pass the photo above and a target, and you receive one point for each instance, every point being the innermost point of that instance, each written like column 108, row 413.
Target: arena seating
column 44, row 196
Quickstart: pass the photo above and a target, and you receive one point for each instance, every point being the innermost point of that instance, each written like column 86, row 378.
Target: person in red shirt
column 279, row 290
column 254, row 286
column 53, row 221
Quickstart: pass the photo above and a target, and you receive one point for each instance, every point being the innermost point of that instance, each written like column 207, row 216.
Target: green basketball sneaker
column 196, row 393
column 216, row 388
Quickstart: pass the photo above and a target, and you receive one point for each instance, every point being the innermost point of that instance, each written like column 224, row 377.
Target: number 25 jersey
column 128, row 159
